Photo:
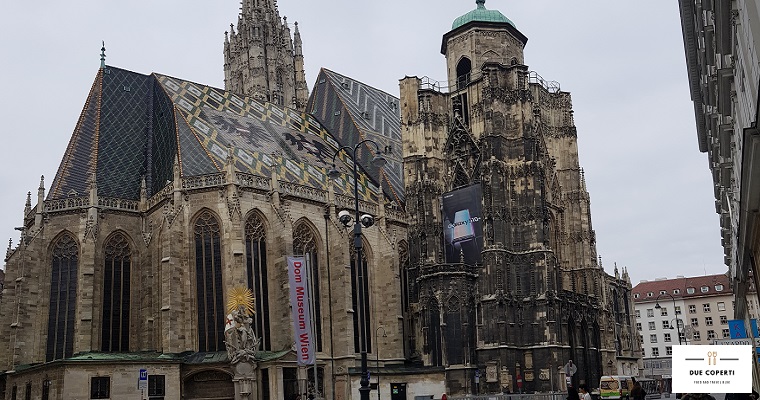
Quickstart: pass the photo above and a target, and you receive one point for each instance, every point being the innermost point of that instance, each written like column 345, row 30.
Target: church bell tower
column 262, row 60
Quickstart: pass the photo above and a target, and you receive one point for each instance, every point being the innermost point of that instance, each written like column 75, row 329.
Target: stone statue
column 241, row 341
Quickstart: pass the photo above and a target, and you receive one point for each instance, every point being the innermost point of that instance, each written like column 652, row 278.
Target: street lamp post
column 377, row 357
column 366, row 221
column 657, row 306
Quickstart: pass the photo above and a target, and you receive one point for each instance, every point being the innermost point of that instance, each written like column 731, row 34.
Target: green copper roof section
column 481, row 14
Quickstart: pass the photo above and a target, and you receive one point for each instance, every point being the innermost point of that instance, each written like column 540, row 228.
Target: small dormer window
column 676, row 291
column 635, row 295
column 663, row 292
column 704, row 289
column 690, row 290
column 650, row 294
column 718, row 288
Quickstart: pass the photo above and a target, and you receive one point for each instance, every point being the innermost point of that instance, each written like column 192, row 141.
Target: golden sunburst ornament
column 240, row 296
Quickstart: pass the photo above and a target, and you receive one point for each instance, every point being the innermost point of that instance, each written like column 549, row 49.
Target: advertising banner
column 299, row 302
column 463, row 225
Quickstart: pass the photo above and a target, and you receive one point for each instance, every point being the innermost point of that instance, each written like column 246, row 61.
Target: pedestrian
column 697, row 396
column 638, row 393
column 585, row 395
column 572, row 393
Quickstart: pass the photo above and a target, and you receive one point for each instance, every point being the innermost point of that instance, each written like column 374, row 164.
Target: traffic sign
column 142, row 382
column 570, row 368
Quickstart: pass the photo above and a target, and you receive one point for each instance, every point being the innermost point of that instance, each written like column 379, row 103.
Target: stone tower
column 501, row 140
column 261, row 59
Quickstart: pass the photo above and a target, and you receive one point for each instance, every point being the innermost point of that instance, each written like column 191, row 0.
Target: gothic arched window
column 208, row 283
column 116, row 294
column 464, row 69
column 305, row 243
column 256, row 262
column 361, row 309
column 63, row 295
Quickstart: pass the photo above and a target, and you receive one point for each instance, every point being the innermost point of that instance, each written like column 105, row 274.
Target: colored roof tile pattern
column 353, row 112
column 136, row 126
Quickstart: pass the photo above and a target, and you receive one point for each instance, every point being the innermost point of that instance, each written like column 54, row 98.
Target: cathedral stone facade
column 540, row 297
column 129, row 257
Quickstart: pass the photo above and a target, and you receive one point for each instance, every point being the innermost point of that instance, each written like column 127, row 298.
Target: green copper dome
column 480, row 14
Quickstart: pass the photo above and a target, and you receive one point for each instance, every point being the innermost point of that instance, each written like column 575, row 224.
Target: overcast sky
column 623, row 62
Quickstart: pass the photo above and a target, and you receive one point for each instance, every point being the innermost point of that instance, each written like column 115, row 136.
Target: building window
column 704, row 289
column 726, row 333
column 655, row 351
column 650, row 294
column 694, row 322
column 708, row 321
column 208, row 283
column 305, row 242
column 116, row 287
column 156, row 387
column 721, row 306
column 63, row 293
column 641, row 339
column 706, row 307
column 665, row 324
column 100, row 387
column 710, row 334
column 638, row 326
column 690, row 290
column 28, row 391
column 663, row 311
column 635, row 295
column 650, row 312
column 692, row 309
column 718, row 288
column 682, row 338
column 663, row 292
column 668, row 350
column 697, row 336
column 653, row 338
column 676, row 291
column 643, row 354
column 46, row 389
column 667, row 337
column 638, row 313
column 678, row 310
column 723, row 320
column 359, row 277
column 651, row 326
column 256, row 268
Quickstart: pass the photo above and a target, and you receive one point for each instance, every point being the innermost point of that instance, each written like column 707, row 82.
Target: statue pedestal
column 246, row 386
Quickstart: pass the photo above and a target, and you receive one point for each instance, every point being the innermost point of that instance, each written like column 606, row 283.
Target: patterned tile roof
column 354, row 111
column 678, row 288
column 135, row 126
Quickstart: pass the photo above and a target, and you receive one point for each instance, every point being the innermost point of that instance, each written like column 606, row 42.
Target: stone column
column 246, row 384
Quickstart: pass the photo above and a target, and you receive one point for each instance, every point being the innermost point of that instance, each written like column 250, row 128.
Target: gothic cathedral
column 479, row 276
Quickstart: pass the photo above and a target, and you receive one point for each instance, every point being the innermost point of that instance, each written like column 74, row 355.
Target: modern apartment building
column 669, row 312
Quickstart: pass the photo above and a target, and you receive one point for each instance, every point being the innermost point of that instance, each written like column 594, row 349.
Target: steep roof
column 678, row 288
column 134, row 126
column 353, row 111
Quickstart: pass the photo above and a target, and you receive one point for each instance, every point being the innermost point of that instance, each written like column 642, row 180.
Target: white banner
column 299, row 302
column 712, row 369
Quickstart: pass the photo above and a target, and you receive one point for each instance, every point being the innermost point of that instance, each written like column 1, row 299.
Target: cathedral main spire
column 262, row 60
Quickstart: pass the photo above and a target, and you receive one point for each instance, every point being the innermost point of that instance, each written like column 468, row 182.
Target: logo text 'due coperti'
column 712, row 369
